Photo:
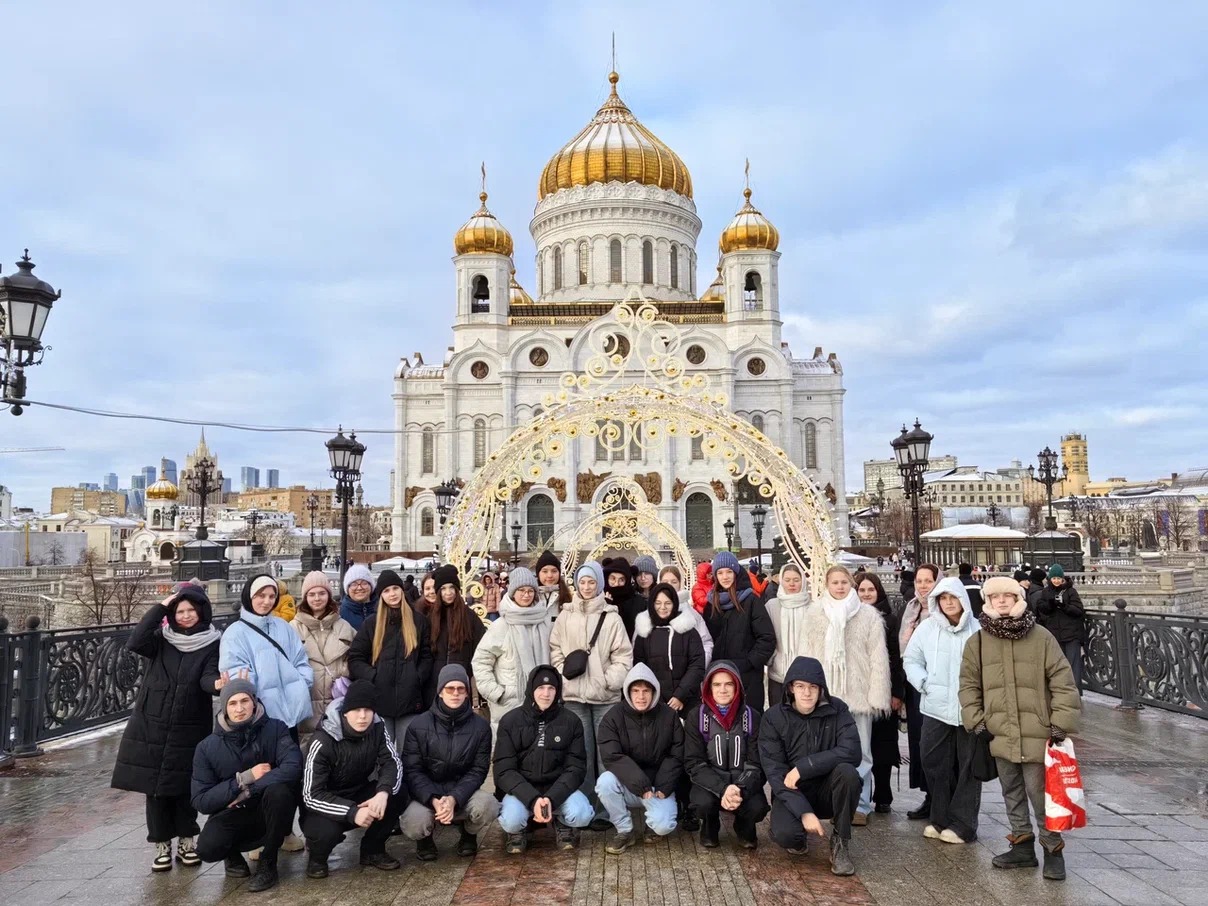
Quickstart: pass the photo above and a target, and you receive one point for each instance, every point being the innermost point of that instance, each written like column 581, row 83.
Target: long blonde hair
column 410, row 632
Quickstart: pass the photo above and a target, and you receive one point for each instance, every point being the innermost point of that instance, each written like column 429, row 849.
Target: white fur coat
column 868, row 684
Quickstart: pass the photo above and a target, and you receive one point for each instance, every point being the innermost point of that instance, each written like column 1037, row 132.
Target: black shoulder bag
column 575, row 664
column 984, row 767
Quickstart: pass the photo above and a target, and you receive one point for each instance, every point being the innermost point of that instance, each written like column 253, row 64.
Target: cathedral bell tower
column 483, row 261
column 749, row 265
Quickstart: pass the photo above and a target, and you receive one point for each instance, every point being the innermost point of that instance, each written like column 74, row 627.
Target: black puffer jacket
column 446, row 753
column 540, row 753
column 399, row 679
column 339, row 763
column 227, row 752
column 443, row 656
column 173, row 712
column 1060, row 611
column 643, row 749
column 674, row 652
column 815, row 743
column 744, row 637
column 716, row 757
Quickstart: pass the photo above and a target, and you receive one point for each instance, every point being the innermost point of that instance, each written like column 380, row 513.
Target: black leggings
column 169, row 817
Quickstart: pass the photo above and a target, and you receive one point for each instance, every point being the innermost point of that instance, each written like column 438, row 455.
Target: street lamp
column 1048, row 475
column 728, row 525
column 911, row 449
column 993, row 512
column 446, row 493
column 345, row 455
column 515, row 543
column 312, row 507
column 201, row 483
column 758, row 514
column 253, row 519
column 25, row 303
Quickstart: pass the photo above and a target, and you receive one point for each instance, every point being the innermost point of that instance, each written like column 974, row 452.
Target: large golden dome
column 483, row 234
column 162, row 489
column 615, row 147
column 749, row 229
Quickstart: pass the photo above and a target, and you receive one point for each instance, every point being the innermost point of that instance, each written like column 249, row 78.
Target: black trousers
column 914, row 728
column 835, row 796
column 169, row 817
column 948, row 762
column 264, row 821
column 753, row 809
column 325, row 832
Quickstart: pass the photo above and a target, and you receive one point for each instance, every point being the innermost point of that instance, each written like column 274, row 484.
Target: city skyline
column 990, row 217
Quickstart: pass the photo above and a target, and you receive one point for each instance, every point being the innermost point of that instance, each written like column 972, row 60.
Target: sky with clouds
column 997, row 217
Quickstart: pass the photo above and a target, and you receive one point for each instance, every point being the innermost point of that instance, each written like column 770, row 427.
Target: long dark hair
column 459, row 621
column 734, row 592
column 882, row 602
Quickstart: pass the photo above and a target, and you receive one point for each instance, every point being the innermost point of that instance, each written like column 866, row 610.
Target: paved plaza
column 66, row 837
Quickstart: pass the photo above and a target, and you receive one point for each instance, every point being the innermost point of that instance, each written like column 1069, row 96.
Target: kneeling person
column 352, row 778
column 243, row 778
column 446, row 757
column 642, row 751
column 540, row 762
column 810, row 748
column 721, row 755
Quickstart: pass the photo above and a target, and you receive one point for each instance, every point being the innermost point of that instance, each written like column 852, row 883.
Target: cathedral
column 614, row 214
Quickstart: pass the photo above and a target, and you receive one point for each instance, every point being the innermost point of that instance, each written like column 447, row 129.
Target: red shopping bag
column 1064, row 797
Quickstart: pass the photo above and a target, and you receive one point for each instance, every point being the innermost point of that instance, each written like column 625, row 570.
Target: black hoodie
column 815, row 743
column 540, row 753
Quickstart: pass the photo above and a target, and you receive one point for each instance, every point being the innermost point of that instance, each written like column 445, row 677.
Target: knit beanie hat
column 522, row 577
column 446, row 575
column 1036, row 576
column 997, row 585
column 388, row 579
column 593, row 569
column 547, row 558
column 452, row 673
column 1020, row 575
column 358, row 572
column 361, row 694
column 545, row 675
column 1056, row 572
column 645, row 564
column 233, row 688
column 617, row 565
column 726, row 560
column 315, row 579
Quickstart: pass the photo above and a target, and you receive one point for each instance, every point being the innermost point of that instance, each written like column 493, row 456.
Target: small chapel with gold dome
column 614, row 214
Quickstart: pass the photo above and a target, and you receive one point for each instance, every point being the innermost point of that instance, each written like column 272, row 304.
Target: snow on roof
column 977, row 530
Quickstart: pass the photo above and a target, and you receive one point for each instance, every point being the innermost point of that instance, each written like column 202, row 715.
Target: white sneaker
column 931, row 833
column 949, row 836
column 293, row 844
column 163, row 857
column 186, row 852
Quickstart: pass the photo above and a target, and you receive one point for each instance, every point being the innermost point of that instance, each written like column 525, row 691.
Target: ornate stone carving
column 830, row 493
column 677, row 489
column 719, row 489
column 651, row 484
column 524, row 488
column 586, row 484
column 558, row 486
column 409, row 495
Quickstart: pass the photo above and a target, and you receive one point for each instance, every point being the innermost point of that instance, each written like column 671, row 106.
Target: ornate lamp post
column 446, row 494
column 201, row 483
column 345, row 455
column 503, row 531
column 253, row 519
column 1048, row 475
column 515, row 543
column 993, row 512
column 759, row 513
column 911, row 449
column 25, row 303
column 728, row 525
column 312, row 507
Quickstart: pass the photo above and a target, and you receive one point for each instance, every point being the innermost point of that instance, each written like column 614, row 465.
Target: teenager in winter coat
column 513, row 646
column 672, row 576
column 326, row 637
column 721, row 757
column 666, row 641
column 809, row 748
column 702, row 586
column 886, row 752
column 172, row 714
column 849, row 639
column 620, row 591
column 739, row 623
column 552, row 590
column 933, row 665
column 787, row 614
column 645, row 576
column 393, row 650
column 913, row 613
column 353, row 777
column 446, row 757
column 642, row 752
column 539, row 765
column 244, row 776
column 590, row 696
column 358, row 603
column 1017, row 686
column 1059, row 610
column 456, row 630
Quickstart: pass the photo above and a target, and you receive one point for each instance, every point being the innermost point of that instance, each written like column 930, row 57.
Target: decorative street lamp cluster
column 1048, row 475
column 345, row 455
column 312, row 507
column 25, row 303
column 911, row 450
column 728, row 525
column 993, row 512
column 202, row 483
column 446, row 494
column 759, row 513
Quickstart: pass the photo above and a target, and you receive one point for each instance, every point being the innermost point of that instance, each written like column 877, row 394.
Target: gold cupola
column 615, row 147
column 162, row 489
column 482, row 233
column 749, row 230
column 516, row 293
column 717, row 289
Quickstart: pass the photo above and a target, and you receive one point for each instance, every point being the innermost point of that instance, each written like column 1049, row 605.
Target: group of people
column 626, row 691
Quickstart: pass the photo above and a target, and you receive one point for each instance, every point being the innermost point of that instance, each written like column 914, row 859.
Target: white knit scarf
column 187, row 643
column 528, row 631
column 834, row 660
column 790, row 629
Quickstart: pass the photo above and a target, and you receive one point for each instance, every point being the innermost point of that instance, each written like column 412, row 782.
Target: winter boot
column 841, row 863
column 468, row 844
column 163, row 857
column 515, row 844
column 382, row 861
column 265, row 877
column 620, row 842
column 425, row 849
column 921, row 813
column 710, row 829
column 746, row 833
column 186, row 853
column 316, row 868
column 565, row 837
column 236, row 867
column 1022, row 853
column 1054, row 862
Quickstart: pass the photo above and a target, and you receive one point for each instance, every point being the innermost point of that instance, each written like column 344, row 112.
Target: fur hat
column 997, row 585
column 358, row 572
column 446, row 575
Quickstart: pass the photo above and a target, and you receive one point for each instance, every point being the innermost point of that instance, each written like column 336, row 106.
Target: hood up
column 640, row 673
column 951, row 585
column 808, row 670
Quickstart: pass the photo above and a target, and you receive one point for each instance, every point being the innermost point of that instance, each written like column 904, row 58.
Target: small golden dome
column 162, row 489
column 516, row 292
column 615, row 147
column 483, row 234
column 717, row 289
column 749, row 229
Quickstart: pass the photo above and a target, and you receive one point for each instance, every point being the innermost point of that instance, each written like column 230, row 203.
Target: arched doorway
column 167, row 550
column 698, row 521
column 539, row 521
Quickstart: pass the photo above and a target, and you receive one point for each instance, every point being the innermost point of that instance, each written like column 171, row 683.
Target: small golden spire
column 746, row 192
column 483, row 194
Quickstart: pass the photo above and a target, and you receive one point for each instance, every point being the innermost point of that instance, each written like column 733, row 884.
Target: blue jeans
column 590, row 716
column 660, row 813
column 576, row 811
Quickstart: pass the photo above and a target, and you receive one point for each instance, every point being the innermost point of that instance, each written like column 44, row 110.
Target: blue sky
column 997, row 217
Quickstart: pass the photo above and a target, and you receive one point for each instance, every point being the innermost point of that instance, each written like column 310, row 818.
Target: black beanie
column 1021, row 575
column 1036, row 576
column 361, row 694
column 446, row 575
column 547, row 558
column 388, row 579
column 545, row 676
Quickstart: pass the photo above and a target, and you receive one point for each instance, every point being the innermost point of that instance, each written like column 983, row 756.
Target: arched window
column 757, row 423
column 427, row 524
column 480, row 442
column 647, row 262
column 698, row 448
column 752, row 292
column 614, row 261
column 811, row 445
column 698, row 522
column 480, row 295
column 539, row 517
column 557, row 267
column 692, row 274
column 674, row 267
column 635, row 447
column 584, row 263
column 427, row 452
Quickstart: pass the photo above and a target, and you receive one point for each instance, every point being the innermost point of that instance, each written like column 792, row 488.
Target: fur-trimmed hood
column 682, row 622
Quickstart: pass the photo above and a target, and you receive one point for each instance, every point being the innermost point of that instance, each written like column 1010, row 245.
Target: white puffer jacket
column 933, row 657
column 609, row 660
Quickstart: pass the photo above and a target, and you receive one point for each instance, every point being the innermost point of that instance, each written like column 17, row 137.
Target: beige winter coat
column 497, row 669
column 868, row 681
column 327, row 642
column 609, row 660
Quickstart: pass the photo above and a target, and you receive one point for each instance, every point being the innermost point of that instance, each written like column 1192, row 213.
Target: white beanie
column 358, row 572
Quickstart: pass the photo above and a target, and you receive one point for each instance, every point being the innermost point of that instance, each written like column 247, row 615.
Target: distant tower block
column 1074, row 456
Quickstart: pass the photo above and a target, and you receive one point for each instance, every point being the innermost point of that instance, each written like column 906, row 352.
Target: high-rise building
column 249, row 477
column 169, row 467
column 149, row 476
column 110, row 482
column 138, row 482
column 272, row 478
column 1075, row 458
column 227, row 487
column 188, row 495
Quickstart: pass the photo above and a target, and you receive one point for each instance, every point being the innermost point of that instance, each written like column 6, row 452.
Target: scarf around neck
column 790, row 630
column 528, row 633
column 188, row 642
column 1009, row 628
column 834, row 656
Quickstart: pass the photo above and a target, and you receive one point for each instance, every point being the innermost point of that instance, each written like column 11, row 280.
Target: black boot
column 425, row 849
column 840, row 858
column 746, row 832
column 236, row 866
column 265, row 877
column 710, row 829
column 468, row 844
column 922, row 812
column 1054, row 863
column 1022, row 853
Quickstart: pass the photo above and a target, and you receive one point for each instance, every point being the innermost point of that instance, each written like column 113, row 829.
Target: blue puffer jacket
column 933, row 657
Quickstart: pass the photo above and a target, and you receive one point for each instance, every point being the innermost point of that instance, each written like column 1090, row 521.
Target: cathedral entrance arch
column 698, row 521
column 641, row 393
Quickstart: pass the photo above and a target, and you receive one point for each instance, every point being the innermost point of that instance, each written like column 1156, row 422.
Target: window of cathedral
column 480, row 369
column 756, row 366
column 752, row 292
column 427, row 524
column 539, row 356
column 480, row 295
column 696, row 354
column 427, row 452
column 698, row 448
column 557, row 267
column 674, row 267
column 811, row 445
column 692, row 274
column 648, row 262
column 539, row 516
column 614, row 262
column 480, row 442
column 583, row 263
column 757, row 422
